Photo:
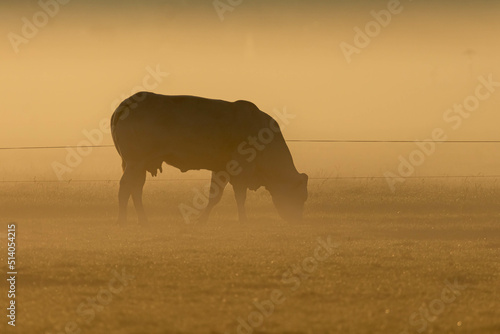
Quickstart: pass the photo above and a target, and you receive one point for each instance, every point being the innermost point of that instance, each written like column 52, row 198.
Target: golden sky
column 69, row 74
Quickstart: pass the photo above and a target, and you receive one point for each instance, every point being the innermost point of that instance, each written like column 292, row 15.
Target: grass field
column 389, row 267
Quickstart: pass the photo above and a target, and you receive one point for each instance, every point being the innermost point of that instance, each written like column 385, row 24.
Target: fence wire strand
column 289, row 140
column 310, row 178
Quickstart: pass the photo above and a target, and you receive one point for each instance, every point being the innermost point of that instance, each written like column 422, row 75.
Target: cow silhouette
column 240, row 144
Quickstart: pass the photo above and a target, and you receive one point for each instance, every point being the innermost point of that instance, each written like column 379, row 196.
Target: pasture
column 422, row 260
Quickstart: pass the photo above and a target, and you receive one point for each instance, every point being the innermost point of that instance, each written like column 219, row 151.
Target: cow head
column 289, row 199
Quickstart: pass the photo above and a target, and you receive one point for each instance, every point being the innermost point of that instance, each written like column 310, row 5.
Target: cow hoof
column 202, row 220
column 121, row 222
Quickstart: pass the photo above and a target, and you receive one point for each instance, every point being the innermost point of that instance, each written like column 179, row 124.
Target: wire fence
column 310, row 178
column 289, row 140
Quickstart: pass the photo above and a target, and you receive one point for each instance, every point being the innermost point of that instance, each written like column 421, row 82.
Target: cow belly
column 184, row 162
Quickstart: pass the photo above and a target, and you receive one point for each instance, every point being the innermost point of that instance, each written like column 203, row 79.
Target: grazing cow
column 239, row 143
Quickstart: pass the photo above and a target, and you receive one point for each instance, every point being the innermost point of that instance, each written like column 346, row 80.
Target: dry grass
column 395, row 252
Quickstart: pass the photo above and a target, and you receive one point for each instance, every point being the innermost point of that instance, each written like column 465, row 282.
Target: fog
column 283, row 56
column 368, row 94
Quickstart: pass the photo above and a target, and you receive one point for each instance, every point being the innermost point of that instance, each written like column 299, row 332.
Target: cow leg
column 215, row 194
column 139, row 180
column 131, row 183
column 240, row 193
column 123, row 196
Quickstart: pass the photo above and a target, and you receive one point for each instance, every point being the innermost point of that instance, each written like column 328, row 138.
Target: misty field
column 425, row 259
